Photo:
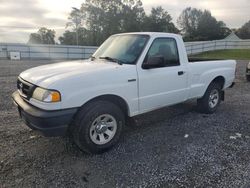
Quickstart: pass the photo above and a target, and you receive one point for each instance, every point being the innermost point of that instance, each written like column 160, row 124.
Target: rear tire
column 211, row 100
column 98, row 126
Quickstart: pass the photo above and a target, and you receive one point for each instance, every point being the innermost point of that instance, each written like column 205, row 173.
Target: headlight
column 45, row 95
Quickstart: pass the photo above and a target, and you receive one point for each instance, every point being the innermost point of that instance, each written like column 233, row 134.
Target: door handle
column 180, row 73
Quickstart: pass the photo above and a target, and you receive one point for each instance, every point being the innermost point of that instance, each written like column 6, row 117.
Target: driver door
column 165, row 84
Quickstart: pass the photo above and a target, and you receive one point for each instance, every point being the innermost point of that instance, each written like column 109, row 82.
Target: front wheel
column 97, row 127
column 211, row 99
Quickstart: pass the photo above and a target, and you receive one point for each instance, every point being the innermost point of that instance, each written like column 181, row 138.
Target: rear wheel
column 211, row 99
column 97, row 127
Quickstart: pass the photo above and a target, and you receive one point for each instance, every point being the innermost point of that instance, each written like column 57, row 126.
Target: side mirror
column 153, row 62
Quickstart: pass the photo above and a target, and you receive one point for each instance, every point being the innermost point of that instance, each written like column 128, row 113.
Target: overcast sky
column 18, row 18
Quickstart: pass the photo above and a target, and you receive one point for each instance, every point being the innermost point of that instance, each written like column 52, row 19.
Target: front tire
column 211, row 100
column 97, row 127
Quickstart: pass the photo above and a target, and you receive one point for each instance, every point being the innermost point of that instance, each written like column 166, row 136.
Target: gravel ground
column 171, row 147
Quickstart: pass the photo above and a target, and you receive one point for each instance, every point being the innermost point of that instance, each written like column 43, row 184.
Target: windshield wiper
column 112, row 59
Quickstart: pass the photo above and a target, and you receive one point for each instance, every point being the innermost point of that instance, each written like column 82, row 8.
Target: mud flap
column 222, row 95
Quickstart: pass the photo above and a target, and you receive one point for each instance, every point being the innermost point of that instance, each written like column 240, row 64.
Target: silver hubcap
column 213, row 98
column 103, row 129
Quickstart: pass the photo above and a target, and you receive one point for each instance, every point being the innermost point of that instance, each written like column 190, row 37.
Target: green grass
column 239, row 54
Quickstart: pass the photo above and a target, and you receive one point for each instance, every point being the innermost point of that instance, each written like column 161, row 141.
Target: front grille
column 25, row 88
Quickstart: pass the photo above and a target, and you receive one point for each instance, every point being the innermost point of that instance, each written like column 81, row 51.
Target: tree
column 196, row 24
column 75, row 21
column 106, row 17
column 244, row 31
column 188, row 21
column 209, row 28
column 159, row 21
column 101, row 18
column 43, row 36
column 35, row 38
column 68, row 38
column 133, row 15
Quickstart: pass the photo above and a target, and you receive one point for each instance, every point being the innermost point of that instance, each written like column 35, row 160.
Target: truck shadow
column 142, row 122
column 161, row 115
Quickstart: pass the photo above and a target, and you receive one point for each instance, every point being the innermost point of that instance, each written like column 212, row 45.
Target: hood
column 46, row 75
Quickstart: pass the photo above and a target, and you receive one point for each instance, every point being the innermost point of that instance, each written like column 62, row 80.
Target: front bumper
column 49, row 123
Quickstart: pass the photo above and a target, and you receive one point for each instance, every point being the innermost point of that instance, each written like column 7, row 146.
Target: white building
column 231, row 37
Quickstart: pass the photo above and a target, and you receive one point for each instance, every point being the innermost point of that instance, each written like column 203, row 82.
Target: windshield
column 123, row 48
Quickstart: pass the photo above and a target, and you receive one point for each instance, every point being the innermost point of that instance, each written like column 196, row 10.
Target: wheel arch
column 220, row 80
column 117, row 100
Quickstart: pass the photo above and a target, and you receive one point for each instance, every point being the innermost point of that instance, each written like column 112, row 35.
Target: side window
column 165, row 48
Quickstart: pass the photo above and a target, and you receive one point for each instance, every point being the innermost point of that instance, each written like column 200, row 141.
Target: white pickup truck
column 129, row 74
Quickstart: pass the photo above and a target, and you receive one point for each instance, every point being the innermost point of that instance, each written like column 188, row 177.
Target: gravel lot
column 171, row 147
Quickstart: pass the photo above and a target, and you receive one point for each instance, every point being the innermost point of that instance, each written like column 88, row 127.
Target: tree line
column 96, row 20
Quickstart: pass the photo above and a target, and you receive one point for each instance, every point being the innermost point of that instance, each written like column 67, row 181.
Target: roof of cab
column 155, row 34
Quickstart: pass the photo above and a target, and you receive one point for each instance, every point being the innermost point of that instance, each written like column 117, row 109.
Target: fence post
column 67, row 52
column 29, row 53
column 49, row 52
column 84, row 52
